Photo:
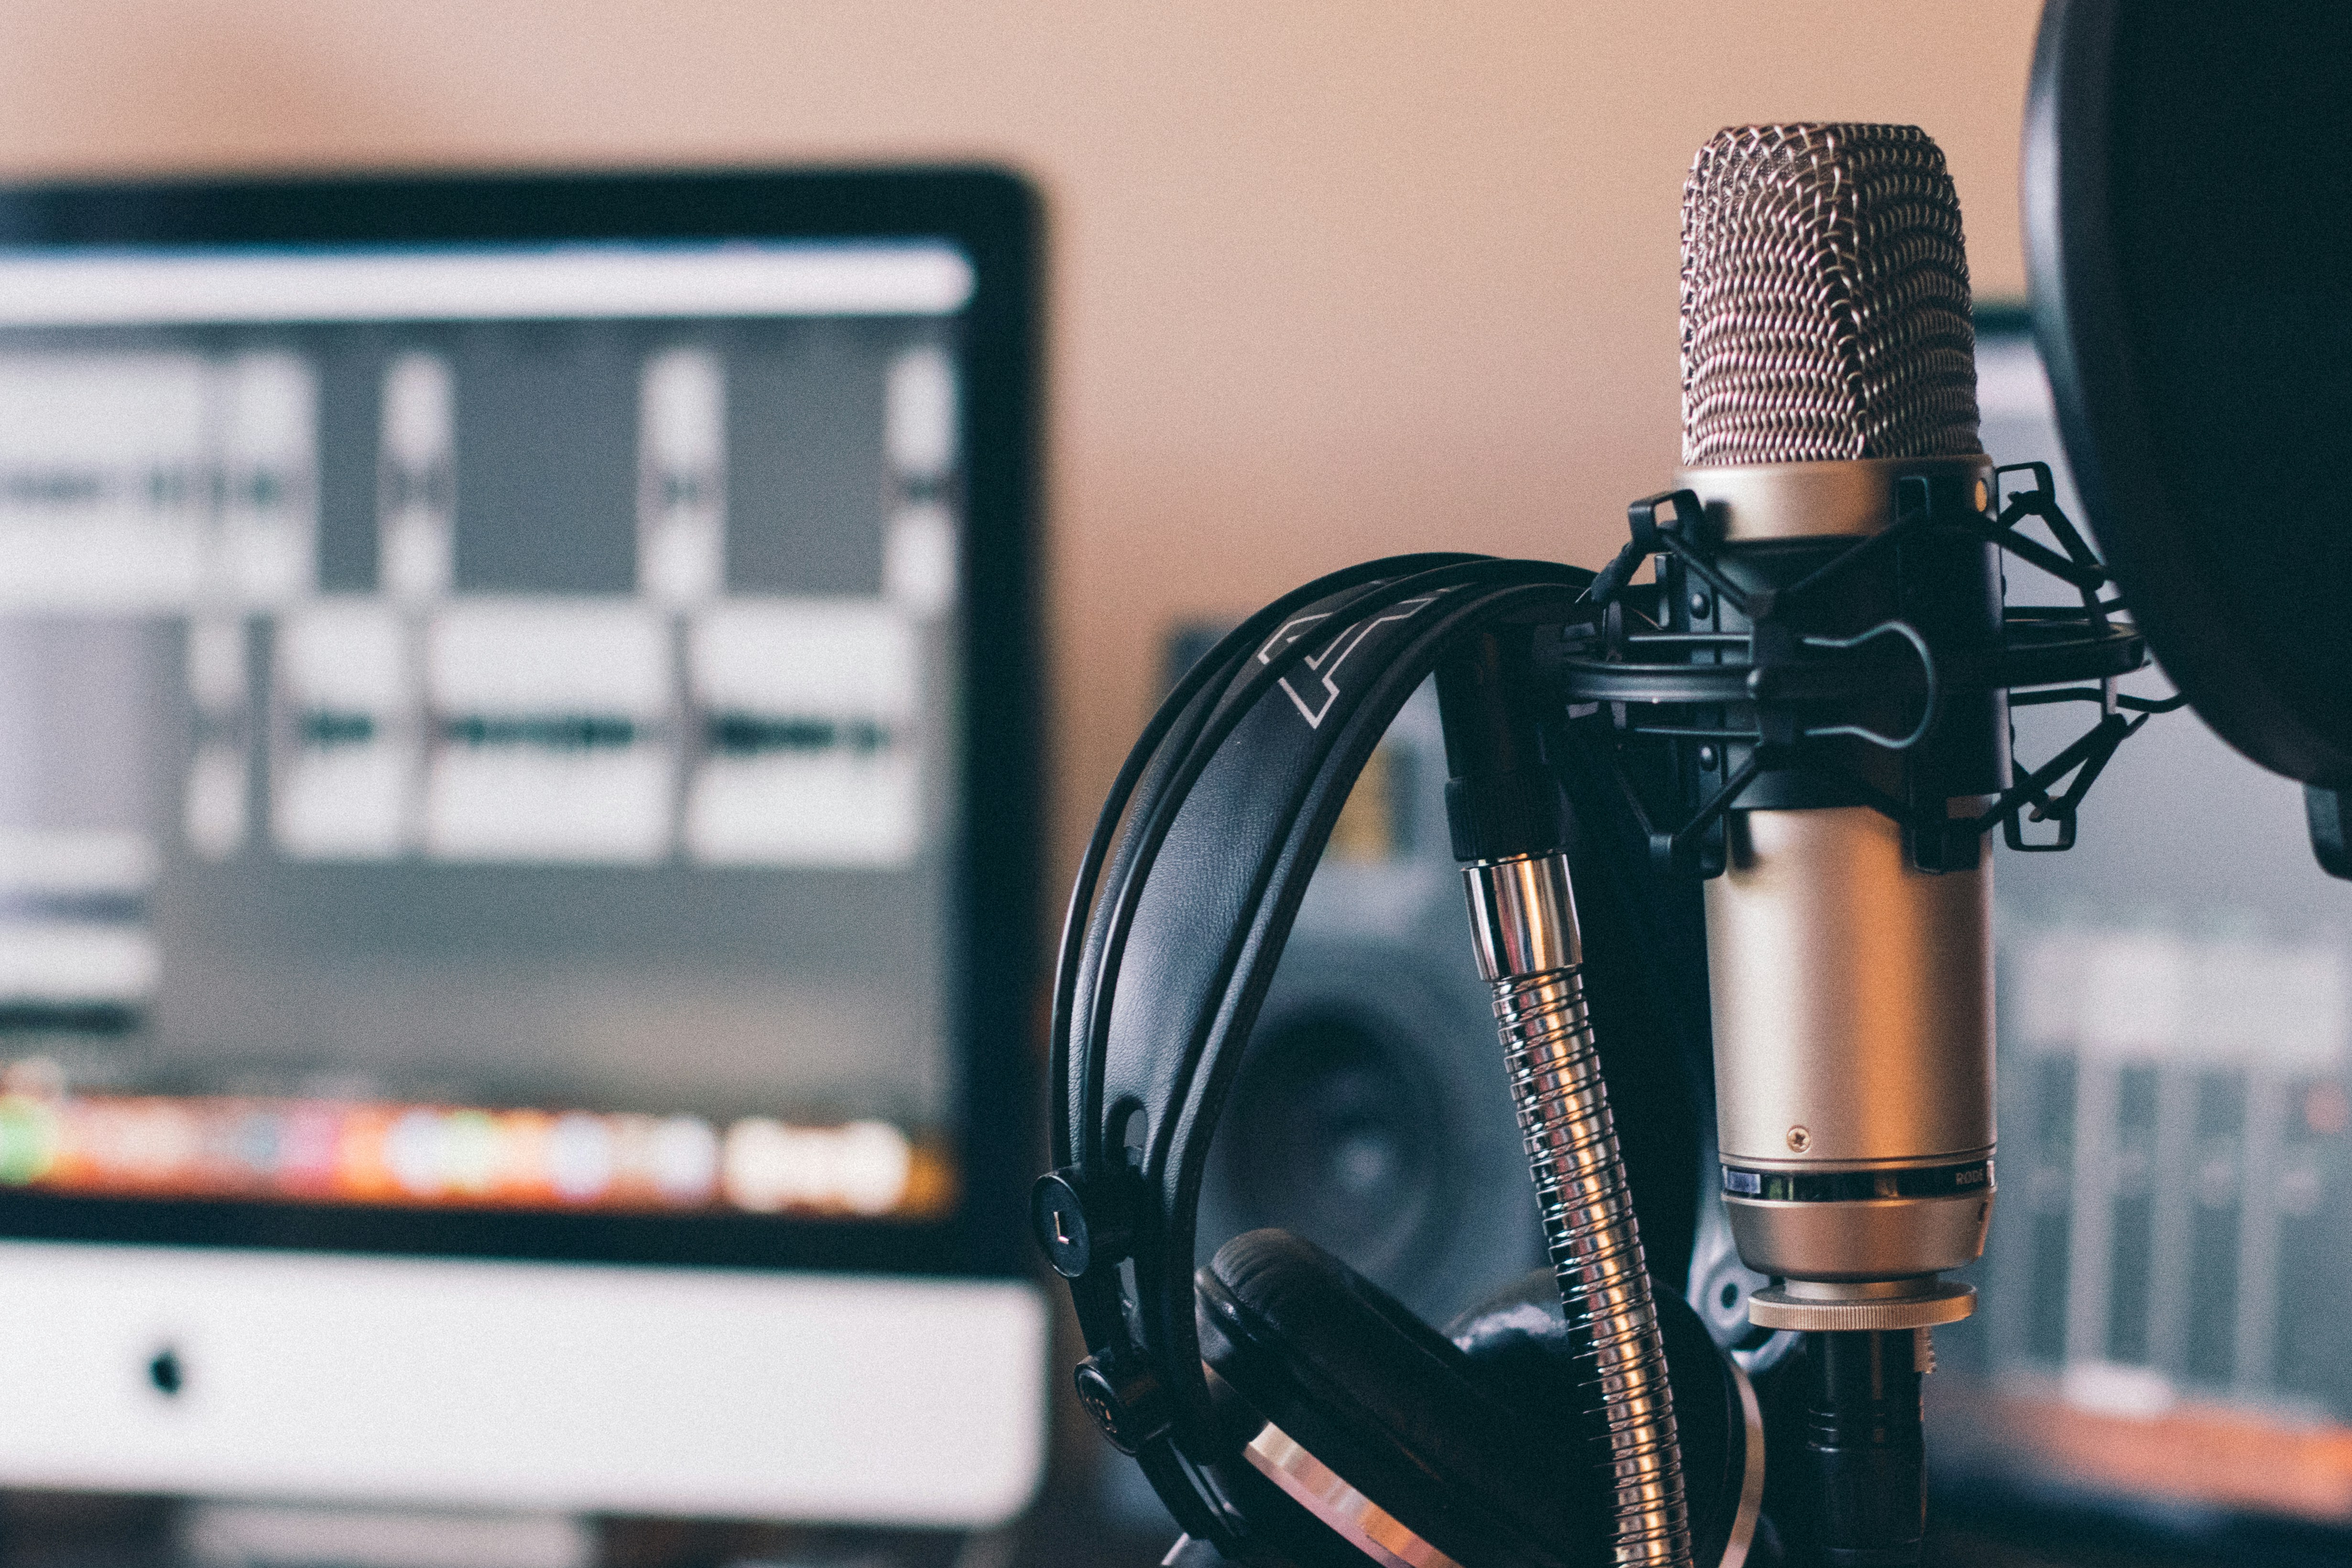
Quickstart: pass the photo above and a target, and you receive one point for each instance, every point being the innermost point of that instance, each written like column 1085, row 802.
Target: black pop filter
column 2188, row 233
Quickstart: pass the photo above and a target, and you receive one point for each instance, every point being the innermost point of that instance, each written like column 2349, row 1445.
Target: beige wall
column 1330, row 278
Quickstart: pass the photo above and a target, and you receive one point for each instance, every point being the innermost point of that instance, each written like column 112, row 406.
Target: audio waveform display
column 463, row 699
column 153, row 481
column 547, row 731
column 325, row 729
column 565, row 729
column 753, row 734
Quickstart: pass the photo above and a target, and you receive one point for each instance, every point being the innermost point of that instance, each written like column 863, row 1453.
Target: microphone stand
column 1865, row 1446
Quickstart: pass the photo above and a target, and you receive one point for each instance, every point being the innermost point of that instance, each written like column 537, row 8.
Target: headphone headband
column 1210, row 836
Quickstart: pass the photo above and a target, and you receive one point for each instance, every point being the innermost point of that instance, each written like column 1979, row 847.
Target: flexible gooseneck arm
column 1504, row 804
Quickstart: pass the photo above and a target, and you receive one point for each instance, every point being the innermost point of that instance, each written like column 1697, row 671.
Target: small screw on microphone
column 1800, row 1140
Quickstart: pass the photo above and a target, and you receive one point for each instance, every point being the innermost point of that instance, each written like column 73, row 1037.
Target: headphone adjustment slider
column 1080, row 1223
column 1126, row 1400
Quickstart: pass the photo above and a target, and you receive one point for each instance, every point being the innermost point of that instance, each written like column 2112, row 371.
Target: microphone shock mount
column 1857, row 668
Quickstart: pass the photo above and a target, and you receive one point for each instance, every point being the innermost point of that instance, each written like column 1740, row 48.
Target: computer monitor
column 2160, row 1318
column 518, row 842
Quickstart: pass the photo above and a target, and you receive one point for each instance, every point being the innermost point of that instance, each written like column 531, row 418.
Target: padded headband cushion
column 1394, row 1408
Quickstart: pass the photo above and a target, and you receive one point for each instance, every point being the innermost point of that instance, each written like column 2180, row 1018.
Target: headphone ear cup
column 1390, row 1410
column 1516, row 1342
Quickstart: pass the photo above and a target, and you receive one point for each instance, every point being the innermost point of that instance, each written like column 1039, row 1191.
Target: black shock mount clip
column 1830, row 671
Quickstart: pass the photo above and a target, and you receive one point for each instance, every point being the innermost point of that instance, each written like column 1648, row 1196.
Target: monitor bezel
column 994, row 218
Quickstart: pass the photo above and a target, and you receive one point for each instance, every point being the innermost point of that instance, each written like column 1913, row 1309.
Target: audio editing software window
column 477, row 726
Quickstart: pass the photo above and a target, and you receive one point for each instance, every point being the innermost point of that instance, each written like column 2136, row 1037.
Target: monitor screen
column 477, row 726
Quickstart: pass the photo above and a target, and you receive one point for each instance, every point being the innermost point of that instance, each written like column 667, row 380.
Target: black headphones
column 1287, row 1411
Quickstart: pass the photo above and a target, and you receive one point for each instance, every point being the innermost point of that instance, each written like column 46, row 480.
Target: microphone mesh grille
column 1825, row 299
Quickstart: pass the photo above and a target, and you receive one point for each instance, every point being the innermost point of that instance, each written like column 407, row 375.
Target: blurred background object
column 2159, row 1332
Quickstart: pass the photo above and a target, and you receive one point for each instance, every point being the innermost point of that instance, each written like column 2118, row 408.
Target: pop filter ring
column 2107, row 394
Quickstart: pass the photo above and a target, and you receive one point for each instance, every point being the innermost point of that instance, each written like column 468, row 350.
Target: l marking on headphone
column 1326, row 664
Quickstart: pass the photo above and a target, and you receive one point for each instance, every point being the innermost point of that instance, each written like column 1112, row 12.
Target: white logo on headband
column 1326, row 665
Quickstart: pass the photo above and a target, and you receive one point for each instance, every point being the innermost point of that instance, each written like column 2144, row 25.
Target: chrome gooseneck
column 1523, row 921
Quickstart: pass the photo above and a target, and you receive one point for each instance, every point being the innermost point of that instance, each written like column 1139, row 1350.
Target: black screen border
column 994, row 217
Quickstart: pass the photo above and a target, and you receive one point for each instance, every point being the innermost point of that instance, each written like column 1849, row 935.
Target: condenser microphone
column 1829, row 391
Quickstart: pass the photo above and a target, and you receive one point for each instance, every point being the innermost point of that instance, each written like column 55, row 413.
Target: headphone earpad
column 1517, row 1342
column 1395, row 1408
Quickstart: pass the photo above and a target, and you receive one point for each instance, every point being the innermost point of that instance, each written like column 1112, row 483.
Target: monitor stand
column 285, row 1535
column 496, row 1384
